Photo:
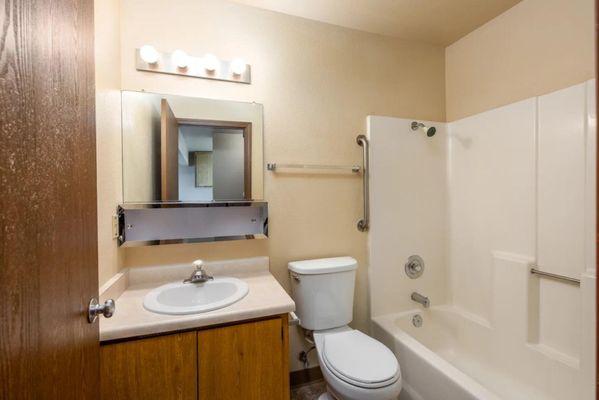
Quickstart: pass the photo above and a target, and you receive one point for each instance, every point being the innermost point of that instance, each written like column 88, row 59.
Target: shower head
column 430, row 131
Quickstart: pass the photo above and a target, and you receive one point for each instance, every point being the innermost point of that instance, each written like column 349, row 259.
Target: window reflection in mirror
column 189, row 149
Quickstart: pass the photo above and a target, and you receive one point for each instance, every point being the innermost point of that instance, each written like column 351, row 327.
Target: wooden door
column 160, row 368
column 597, row 204
column 247, row 361
column 48, row 231
column 169, row 153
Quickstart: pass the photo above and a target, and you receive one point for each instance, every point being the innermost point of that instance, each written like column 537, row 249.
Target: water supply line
column 304, row 355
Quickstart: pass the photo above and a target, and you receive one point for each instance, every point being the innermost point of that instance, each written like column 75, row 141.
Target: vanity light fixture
column 180, row 59
column 238, row 66
column 178, row 62
column 149, row 54
column 210, row 62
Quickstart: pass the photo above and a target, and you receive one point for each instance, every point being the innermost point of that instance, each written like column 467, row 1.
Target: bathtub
column 454, row 356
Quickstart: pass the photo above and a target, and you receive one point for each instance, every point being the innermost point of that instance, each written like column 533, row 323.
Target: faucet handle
column 198, row 264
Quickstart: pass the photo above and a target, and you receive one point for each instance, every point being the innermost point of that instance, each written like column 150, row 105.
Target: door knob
column 95, row 309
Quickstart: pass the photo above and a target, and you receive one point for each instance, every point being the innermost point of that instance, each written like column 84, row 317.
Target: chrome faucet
column 199, row 275
column 418, row 298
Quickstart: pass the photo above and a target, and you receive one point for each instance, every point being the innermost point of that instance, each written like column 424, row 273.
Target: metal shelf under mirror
column 147, row 224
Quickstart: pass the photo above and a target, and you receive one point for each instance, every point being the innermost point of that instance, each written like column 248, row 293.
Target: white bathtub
column 453, row 356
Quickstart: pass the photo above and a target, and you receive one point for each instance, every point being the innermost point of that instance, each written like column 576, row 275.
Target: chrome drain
column 417, row 320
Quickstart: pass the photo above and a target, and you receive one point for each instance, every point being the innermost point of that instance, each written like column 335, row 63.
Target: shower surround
column 482, row 201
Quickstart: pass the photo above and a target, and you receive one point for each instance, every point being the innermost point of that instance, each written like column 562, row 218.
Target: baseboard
column 303, row 376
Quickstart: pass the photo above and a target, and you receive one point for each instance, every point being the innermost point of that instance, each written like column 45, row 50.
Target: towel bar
column 558, row 277
column 275, row 166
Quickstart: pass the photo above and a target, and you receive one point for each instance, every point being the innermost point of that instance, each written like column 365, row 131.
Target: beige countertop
column 265, row 298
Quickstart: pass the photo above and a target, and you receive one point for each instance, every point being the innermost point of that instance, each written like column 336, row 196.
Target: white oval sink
column 191, row 298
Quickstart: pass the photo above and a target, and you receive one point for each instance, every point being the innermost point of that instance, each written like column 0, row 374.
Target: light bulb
column 149, row 54
column 210, row 62
column 180, row 58
column 238, row 66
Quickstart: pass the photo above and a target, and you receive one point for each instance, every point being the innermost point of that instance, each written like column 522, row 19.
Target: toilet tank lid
column 323, row 265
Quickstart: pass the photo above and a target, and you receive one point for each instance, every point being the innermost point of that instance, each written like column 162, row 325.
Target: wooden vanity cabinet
column 248, row 360
column 161, row 367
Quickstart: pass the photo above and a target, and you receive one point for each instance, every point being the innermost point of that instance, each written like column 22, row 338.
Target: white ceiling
column 439, row 22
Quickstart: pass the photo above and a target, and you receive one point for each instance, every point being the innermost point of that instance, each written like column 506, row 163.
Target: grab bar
column 563, row 278
column 364, row 223
column 274, row 166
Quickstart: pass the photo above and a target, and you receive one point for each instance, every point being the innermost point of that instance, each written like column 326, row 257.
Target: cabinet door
column 247, row 361
column 163, row 367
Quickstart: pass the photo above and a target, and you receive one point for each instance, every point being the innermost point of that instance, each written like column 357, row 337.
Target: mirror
column 190, row 149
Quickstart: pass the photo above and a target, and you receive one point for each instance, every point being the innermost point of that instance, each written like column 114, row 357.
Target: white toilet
column 354, row 365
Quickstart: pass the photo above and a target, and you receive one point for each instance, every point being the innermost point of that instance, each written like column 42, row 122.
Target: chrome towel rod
column 364, row 223
column 275, row 166
column 558, row 277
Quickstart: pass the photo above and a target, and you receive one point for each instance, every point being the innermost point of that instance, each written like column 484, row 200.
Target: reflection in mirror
column 212, row 163
column 179, row 148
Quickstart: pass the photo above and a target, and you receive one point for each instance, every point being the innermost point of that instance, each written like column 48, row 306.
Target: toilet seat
column 359, row 360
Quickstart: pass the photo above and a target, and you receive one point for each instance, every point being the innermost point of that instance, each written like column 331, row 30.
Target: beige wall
column 141, row 146
column 318, row 83
column 108, row 131
column 536, row 47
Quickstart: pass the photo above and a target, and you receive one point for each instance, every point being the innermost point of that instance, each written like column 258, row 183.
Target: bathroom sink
column 191, row 298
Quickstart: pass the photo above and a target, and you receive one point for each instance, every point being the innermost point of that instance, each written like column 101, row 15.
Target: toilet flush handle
column 293, row 319
column 295, row 277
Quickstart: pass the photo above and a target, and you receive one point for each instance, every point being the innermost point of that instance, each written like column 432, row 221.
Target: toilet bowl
column 354, row 365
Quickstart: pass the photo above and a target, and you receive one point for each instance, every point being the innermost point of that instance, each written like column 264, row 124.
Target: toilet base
column 326, row 396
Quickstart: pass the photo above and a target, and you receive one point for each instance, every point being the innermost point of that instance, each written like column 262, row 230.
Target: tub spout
column 418, row 298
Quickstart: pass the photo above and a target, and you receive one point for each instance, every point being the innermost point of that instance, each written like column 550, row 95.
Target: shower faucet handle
column 414, row 267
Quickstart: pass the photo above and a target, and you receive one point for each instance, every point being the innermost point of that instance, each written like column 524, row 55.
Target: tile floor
column 308, row 391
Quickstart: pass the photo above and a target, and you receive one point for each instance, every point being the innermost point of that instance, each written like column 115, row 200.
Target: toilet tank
column 323, row 291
